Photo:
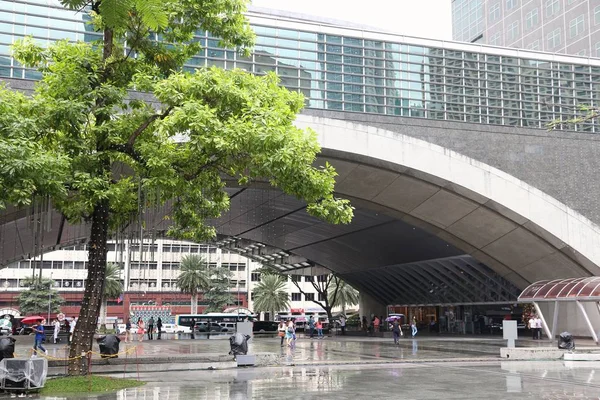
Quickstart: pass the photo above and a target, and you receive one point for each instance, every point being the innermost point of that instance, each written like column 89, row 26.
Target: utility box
column 509, row 332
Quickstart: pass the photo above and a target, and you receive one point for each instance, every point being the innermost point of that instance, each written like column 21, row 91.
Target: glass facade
column 353, row 70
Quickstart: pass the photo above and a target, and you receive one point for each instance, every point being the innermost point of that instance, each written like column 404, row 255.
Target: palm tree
column 193, row 278
column 346, row 295
column 112, row 288
column 270, row 294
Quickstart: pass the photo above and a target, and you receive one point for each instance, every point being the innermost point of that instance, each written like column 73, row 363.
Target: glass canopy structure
column 357, row 70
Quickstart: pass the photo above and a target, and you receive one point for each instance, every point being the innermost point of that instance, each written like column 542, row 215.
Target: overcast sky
column 422, row 18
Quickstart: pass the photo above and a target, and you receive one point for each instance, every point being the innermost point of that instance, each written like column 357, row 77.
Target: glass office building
column 360, row 71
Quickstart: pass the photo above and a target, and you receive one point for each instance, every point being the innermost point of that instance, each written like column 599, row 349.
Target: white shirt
column 342, row 321
column 56, row 327
column 73, row 325
column 538, row 322
column 532, row 323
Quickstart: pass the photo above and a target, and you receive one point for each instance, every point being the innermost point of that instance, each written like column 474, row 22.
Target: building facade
column 149, row 277
column 556, row 26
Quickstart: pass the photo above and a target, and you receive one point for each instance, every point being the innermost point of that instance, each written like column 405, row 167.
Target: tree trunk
column 92, row 297
column 194, row 305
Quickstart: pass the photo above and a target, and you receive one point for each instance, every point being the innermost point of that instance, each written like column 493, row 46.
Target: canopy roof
column 572, row 289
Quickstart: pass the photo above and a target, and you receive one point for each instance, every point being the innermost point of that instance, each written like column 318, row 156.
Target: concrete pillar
column 368, row 305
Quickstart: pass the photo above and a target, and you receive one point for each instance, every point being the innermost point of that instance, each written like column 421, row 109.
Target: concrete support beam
column 588, row 322
column 368, row 306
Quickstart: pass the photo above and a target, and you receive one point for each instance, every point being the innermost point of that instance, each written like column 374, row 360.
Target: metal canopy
column 571, row 289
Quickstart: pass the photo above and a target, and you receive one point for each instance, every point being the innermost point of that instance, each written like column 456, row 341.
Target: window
column 598, row 49
column 496, row 39
column 495, row 12
column 510, row 4
column 309, row 278
column 322, row 278
column 322, row 296
column 296, row 278
column 296, row 297
column 552, row 7
column 255, row 277
column 309, row 296
column 576, row 26
column 597, row 15
column 554, row 39
column 513, row 30
column 532, row 18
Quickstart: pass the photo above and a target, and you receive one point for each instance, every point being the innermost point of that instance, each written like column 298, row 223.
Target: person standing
column 39, row 337
column 158, row 327
column 140, row 330
column 413, row 327
column 396, row 331
column 319, row 326
column 311, row 326
column 531, row 326
column 56, row 325
column 281, row 328
column 128, row 331
column 150, row 328
column 290, row 332
column 343, row 325
column 376, row 323
column 365, row 325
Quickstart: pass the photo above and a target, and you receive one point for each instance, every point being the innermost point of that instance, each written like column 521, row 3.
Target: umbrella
column 31, row 319
column 393, row 318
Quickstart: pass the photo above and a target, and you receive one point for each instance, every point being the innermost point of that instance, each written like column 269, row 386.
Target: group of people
column 535, row 324
column 141, row 329
column 40, row 335
column 287, row 332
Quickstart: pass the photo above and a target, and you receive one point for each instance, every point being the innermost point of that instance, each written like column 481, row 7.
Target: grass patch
column 87, row 384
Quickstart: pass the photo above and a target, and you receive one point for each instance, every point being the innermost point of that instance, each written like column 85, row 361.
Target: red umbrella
column 31, row 319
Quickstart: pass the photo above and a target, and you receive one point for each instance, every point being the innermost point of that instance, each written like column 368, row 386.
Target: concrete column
column 368, row 305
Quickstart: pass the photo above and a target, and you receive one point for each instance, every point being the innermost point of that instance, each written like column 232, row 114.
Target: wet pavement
column 357, row 367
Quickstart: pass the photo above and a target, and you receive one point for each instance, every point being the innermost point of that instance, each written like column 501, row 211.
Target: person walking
column 150, row 328
column 396, row 331
column 343, row 325
column 140, row 330
column 531, row 326
column 413, row 327
column 128, row 331
column 289, row 333
column 56, row 325
column 319, row 326
column 158, row 327
column 72, row 329
column 538, row 327
column 281, row 328
column 365, row 325
column 39, row 337
column 311, row 326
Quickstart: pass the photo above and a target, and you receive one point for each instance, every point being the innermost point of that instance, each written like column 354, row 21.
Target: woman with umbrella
column 396, row 331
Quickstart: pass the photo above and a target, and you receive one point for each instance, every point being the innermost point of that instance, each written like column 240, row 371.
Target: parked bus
column 223, row 319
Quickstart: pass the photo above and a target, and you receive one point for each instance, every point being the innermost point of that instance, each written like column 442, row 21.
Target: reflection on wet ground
column 448, row 380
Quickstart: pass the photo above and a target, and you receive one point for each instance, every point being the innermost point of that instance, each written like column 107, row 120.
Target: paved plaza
column 344, row 368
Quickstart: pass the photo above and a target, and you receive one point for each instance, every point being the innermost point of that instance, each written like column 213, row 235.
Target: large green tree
column 346, row 295
column 270, row 294
column 39, row 298
column 193, row 278
column 101, row 156
column 218, row 295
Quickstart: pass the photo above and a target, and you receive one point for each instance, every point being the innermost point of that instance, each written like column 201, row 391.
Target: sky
column 421, row 18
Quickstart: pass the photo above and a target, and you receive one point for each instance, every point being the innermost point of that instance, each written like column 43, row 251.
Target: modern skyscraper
column 557, row 26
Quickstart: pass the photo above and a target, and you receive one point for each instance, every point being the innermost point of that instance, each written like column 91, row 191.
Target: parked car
column 265, row 326
column 214, row 327
column 173, row 328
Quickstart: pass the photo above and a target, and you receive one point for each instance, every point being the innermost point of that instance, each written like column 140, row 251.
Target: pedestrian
column 343, row 325
column 128, row 331
column 158, row 327
column 56, row 324
column 290, row 332
column 381, row 324
column 140, row 330
column 150, row 328
column 413, row 326
column 281, row 328
column 376, row 323
column 39, row 337
column 193, row 328
column 72, row 330
column 365, row 325
column 319, row 326
column 531, row 326
column 538, row 327
column 311, row 326
column 396, row 331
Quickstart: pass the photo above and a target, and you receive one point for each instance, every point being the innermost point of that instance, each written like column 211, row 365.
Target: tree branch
column 145, row 124
column 302, row 292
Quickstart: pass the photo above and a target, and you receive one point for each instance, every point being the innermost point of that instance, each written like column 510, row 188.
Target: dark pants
column 282, row 338
column 150, row 329
column 535, row 333
column 343, row 330
column 37, row 344
column 158, row 330
column 312, row 331
column 396, row 336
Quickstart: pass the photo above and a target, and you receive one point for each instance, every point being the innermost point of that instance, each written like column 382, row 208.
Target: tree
column 193, row 278
column 112, row 288
column 346, row 295
column 38, row 296
column 327, row 287
column 100, row 156
column 270, row 294
column 218, row 294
